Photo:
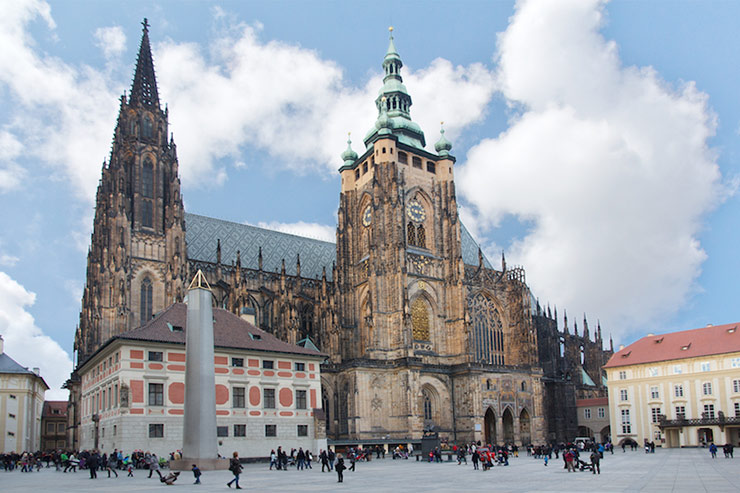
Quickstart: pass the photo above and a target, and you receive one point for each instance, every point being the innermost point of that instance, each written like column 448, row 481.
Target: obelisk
column 200, row 444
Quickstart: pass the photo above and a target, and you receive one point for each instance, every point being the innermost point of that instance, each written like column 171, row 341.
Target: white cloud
column 288, row 101
column 11, row 173
column 62, row 114
column 26, row 343
column 8, row 260
column 111, row 40
column 309, row 230
column 608, row 164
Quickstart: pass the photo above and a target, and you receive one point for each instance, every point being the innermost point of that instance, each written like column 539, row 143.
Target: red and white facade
column 267, row 391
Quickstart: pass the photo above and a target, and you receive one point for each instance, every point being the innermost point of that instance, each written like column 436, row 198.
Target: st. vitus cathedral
column 422, row 332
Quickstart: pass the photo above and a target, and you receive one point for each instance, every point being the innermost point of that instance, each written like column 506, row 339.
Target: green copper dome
column 443, row 145
column 349, row 156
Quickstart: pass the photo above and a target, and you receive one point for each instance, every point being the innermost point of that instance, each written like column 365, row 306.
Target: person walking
column 196, row 473
column 340, row 468
column 713, row 450
column 92, row 464
column 236, row 468
column 112, row 464
column 595, row 459
column 475, row 457
column 569, row 457
column 324, row 458
column 154, row 465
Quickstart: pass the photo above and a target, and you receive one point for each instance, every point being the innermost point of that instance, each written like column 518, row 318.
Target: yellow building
column 680, row 389
column 21, row 401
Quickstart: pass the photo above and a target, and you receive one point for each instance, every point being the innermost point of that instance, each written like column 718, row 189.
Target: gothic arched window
column 146, row 127
column 267, row 316
column 147, row 179
column 427, row 405
column 421, row 237
column 147, row 213
column 306, row 321
column 488, row 334
column 420, row 319
column 411, row 234
column 145, row 304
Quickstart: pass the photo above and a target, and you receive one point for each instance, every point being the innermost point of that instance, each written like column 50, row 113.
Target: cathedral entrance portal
column 525, row 433
column 508, row 422
column 490, row 427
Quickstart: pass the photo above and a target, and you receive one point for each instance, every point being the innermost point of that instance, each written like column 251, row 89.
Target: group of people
column 727, row 449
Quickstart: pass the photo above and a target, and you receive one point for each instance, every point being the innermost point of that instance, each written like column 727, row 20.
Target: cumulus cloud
column 309, row 230
column 111, row 40
column 7, row 260
column 26, row 343
column 609, row 166
column 288, row 101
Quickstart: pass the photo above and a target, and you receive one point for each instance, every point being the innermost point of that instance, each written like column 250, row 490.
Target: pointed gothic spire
column 598, row 330
column 565, row 321
column 611, row 343
column 144, row 87
column 575, row 328
column 503, row 266
column 585, row 327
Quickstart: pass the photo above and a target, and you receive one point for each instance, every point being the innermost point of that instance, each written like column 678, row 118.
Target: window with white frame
column 655, row 414
column 736, row 386
column 623, row 375
column 680, row 412
column 706, row 366
column 735, row 362
column 706, row 388
column 654, row 392
column 587, row 413
column 600, row 412
column 653, row 372
column 737, row 409
column 623, row 396
column 708, row 411
column 678, row 391
column 626, row 424
column 677, row 369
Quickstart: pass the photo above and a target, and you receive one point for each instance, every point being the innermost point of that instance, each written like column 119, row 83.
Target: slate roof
column 202, row 233
column 229, row 332
column 718, row 339
column 9, row 365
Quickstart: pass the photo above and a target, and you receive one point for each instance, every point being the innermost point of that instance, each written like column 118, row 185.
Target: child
column 546, row 459
column 196, row 473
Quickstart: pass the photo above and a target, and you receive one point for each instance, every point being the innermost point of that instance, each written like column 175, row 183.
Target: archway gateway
column 508, row 422
column 490, row 427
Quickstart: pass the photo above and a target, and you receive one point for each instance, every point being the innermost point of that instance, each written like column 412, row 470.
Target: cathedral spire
column 144, row 86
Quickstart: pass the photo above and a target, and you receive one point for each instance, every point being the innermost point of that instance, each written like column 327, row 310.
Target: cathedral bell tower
column 136, row 262
column 399, row 260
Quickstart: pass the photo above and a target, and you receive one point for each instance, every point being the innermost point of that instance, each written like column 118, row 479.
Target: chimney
column 36, row 371
column 621, row 346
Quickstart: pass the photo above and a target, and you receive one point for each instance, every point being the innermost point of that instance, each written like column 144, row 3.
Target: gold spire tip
column 390, row 29
column 199, row 282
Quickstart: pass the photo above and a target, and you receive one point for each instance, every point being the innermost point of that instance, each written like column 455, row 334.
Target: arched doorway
column 706, row 436
column 606, row 434
column 585, row 431
column 525, row 433
column 508, row 423
column 490, row 426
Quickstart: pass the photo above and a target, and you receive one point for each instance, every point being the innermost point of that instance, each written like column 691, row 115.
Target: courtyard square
column 680, row 470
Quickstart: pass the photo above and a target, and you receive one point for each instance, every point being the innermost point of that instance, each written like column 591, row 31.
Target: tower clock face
column 367, row 216
column 415, row 211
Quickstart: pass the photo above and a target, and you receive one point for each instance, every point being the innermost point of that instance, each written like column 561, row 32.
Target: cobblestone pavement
column 688, row 470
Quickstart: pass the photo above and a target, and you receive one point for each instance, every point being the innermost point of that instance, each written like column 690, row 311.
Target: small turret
column 349, row 156
column 443, row 146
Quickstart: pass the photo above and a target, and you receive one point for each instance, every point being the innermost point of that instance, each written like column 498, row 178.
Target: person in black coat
column 340, row 468
column 236, row 468
column 93, row 461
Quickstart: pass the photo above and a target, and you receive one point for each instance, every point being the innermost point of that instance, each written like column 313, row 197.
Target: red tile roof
column 718, row 339
column 594, row 401
column 229, row 332
column 50, row 406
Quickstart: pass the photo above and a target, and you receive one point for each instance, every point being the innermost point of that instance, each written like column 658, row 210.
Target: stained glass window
column 488, row 334
column 420, row 320
column 146, row 300
column 411, row 234
column 421, row 237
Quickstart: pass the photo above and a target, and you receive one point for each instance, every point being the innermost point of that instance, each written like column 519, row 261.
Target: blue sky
column 596, row 142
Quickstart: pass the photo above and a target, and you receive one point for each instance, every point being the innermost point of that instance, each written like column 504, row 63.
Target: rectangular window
column 115, row 396
column 403, row 158
column 735, row 363
column 267, row 364
column 677, row 369
column 736, row 386
column 12, row 396
column 222, row 431
column 115, row 430
column 300, row 399
column 626, row 424
column 623, row 375
column 237, row 362
column 706, row 366
column 300, row 367
column 706, row 388
column 680, row 412
column 240, row 430
column 116, row 358
column 601, row 413
column 268, row 399
column 156, row 394
column 302, row 430
column 431, row 167
column 655, row 414
column 623, row 395
column 50, row 427
column 102, row 400
column 156, row 356
column 416, row 162
column 654, row 393
column 239, row 400
column 364, row 167
column 357, row 174
column 61, row 428
column 737, row 409
column 270, row 430
column 708, row 411
column 653, row 372
column 146, row 213
column 587, row 413
column 156, row 430
column 678, row 391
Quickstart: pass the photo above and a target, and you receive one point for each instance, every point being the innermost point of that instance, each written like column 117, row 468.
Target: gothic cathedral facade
column 424, row 335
